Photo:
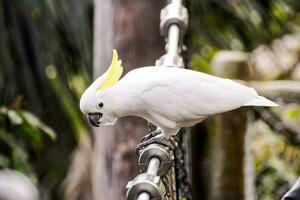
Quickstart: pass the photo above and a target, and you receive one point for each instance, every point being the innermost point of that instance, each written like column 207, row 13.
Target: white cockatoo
column 168, row 97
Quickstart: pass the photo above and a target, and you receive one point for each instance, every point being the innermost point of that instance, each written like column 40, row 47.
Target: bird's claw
column 157, row 138
column 150, row 135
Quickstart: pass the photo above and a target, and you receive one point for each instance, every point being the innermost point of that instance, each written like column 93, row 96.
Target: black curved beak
column 94, row 118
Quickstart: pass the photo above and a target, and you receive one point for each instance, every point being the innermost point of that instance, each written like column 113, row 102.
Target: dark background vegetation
column 46, row 50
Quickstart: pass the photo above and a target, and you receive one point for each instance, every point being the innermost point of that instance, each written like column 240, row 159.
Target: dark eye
column 100, row 105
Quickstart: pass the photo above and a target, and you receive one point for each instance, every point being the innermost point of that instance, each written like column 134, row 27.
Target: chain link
column 183, row 185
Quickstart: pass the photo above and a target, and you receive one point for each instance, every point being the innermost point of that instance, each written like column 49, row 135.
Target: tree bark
column 227, row 133
column 131, row 27
column 219, row 150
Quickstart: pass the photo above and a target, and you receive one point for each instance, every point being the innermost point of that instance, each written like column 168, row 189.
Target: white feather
column 174, row 97
column 260, row 101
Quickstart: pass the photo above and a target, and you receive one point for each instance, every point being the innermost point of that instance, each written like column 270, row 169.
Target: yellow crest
column 113, row 73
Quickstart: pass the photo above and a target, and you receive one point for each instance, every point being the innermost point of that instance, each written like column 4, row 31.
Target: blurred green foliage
column 237, row 25
column 276, row 163
column 45, row 63
column 67, row 95
column 22, row 137
column 243, row 25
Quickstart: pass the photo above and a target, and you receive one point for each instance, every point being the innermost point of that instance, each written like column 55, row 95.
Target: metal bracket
column 145, row 182
column 173, row 13
column 168, row 60
column 155, row 150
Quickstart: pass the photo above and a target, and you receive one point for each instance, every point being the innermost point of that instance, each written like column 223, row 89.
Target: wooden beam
column 275, row 88
column 131, row 27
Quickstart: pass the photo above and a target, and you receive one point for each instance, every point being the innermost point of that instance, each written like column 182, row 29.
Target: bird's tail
column 261, row 101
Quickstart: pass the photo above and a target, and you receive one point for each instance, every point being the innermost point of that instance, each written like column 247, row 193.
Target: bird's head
column 95, row 101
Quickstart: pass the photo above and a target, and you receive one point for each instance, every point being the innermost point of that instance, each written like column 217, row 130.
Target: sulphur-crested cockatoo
column 168, row 97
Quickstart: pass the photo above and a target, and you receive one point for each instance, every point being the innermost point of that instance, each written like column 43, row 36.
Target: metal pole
column 143, row 196
column 152, row 169
column 153, row 166
column 176, row 1
column 173, row 35
column 173, row 39
column 174, row 19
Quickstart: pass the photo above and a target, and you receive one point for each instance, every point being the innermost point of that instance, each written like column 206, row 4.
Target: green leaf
column 8, row 138
column 36, row 123
column 14, row 118
column 21, row 162
column 20, row 159
column 294, row 113
column 4, row 161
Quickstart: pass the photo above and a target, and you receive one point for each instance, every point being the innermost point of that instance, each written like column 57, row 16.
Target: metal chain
column 182, row 179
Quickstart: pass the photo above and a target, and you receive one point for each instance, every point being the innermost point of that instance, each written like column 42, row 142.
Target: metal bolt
column 155, row 150
column 146, row 186
column 173, row 13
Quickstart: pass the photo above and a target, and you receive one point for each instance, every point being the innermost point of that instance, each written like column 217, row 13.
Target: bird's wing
column 181, row 95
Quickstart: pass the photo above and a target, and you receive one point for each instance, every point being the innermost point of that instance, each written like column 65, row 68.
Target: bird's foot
column 150, row 135
column 156, row 137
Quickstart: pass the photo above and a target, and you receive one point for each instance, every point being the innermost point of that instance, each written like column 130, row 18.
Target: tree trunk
column 131, row 27
column 227, row 135
column 219, row 148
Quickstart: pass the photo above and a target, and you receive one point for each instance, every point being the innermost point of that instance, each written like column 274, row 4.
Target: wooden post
column 227, row 134
column 131, row 27
column 218, row 170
